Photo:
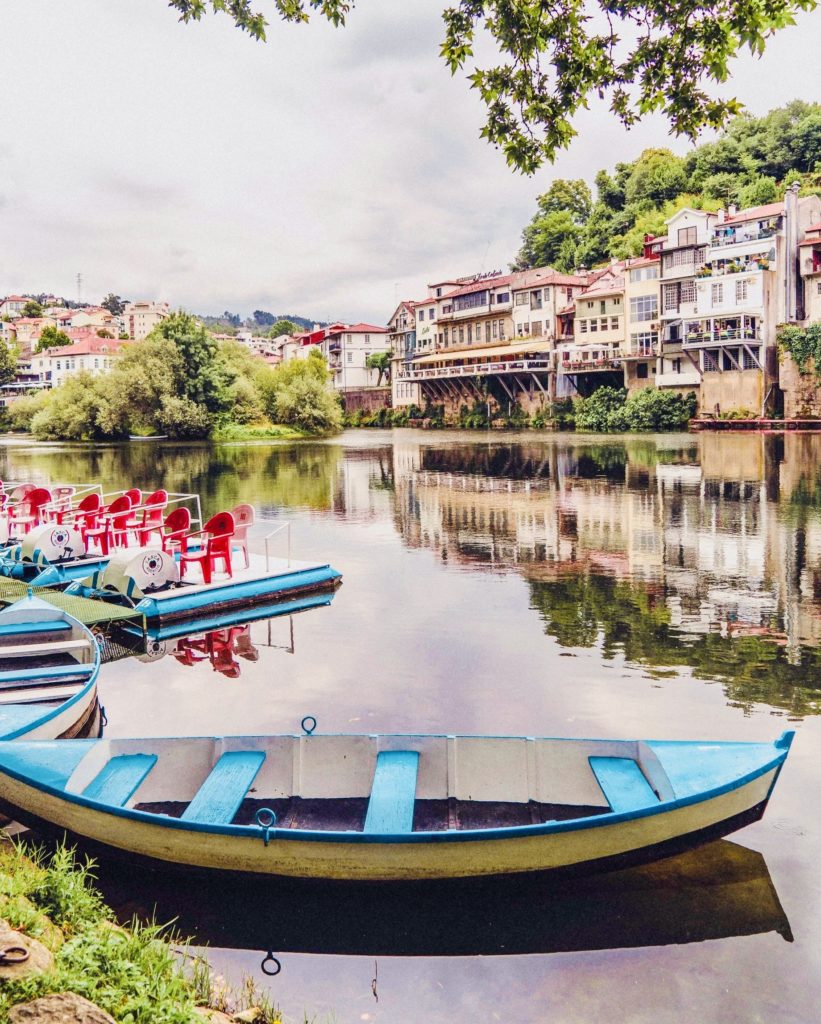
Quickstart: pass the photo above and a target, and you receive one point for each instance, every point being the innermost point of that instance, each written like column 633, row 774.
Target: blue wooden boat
column 49, row 664
column 379, row 808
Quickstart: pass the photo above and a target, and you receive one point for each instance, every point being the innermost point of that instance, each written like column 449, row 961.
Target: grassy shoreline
column 140, row 974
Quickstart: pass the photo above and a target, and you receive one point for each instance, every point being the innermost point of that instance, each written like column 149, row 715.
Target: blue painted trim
column 181, row 600
column 466, row 835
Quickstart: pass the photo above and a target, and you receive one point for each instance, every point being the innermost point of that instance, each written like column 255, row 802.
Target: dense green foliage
column 609, row 410
column 804, row 345
column 282, row 327
column 182, row 383
column 644, row 55
column 51, row 337
column 114, row 304
column 381, row 362
column 32, row 308
column 750, row 164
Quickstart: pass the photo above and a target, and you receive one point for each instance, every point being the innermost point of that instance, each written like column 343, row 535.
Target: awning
column 538, row 346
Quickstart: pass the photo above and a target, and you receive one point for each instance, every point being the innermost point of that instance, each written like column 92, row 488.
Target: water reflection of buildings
column 717, row 528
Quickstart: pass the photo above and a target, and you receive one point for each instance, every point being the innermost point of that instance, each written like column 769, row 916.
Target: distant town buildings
column 140, row 318
column 698, row 311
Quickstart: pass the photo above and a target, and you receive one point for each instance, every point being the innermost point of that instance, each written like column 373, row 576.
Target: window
column 438, row 292
column 421, row 314
column 487, row 330
column 644, row 342
column 583, row 326
column 589, row 305
column 617, row 300
column 348, row 337
column 741, row 290
column 350, row 357
column 687, row 236
column 470, row 301
column 641, row 371
column 676, row 366
column 643, row 307
column 522, row 299
column 447, row 309
column 603, row 324
column 495, row 329
column 367, row 339
column 710, row 362
column 717, row 293
column 671, row 292
column 470, row 334
column 602, row 306
column 503, row 297
column 614, row 323
column 461, row 335
column 594, row 325
column 502, row 329
column 446, row 336
column 750, row 359
column 536, row 300
column 536, row 328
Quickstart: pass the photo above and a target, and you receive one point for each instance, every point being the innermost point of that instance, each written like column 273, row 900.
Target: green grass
column 247, row 432
column 139, row 974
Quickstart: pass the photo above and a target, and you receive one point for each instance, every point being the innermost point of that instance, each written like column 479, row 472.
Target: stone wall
column 731, row 391
column 802, row 391
column 369, row 399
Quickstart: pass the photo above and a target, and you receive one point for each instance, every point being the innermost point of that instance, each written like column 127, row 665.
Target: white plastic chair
column 243, row 519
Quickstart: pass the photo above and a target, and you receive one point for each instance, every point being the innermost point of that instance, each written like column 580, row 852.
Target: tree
column 657, row 175
column 760, row 190
column 646, row 56
column 8, row 362
column 282, row 327
column 545, row 242
column 50, row 337
column 204, row 379
column 32, row 308
column 263, row 319
column 567, row 194
column 114, row 304
column 380, row 361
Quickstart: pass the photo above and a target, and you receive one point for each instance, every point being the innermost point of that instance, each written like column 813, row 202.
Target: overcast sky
column 326, row 173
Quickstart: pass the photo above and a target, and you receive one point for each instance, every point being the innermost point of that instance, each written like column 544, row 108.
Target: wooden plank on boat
column 47, row 647
column 218, row 798
column 623, row 783
column 49, row 672
column 22, row 628
column 393, row 793
column 119, row 778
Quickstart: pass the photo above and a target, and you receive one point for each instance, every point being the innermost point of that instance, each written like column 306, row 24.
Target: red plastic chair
column 243, row 519
column 151, row 519
column 86, row 514
column 114, row 526
column 135, row 495
column 175, row 528
column 217, row 534
column 29, row 512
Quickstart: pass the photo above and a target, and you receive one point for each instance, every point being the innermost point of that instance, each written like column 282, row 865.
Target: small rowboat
column 49, row 664
column 383, row 808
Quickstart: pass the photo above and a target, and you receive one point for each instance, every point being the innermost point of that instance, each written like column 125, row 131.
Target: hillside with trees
column 749, row 164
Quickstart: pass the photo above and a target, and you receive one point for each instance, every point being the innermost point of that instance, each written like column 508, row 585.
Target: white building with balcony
column 538, row 295
column 346, row 349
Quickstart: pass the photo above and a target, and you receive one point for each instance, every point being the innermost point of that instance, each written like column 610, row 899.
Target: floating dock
column 265, row 580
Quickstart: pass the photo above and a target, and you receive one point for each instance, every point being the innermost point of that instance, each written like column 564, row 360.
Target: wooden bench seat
column 24, row 628
column 36, row 676
column 623, row 783
column 46, row 647
column 119, row 778
column 393, row 793
column 219, row 797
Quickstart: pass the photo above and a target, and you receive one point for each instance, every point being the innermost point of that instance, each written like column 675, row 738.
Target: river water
column 663, row 587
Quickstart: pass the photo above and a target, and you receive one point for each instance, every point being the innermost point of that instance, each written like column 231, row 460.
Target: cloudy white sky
column 325, row 173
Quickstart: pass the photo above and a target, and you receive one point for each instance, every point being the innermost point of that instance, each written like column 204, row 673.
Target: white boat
column 49, row 664
column 389, row 807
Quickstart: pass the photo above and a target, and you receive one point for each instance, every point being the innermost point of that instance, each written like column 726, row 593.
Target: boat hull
column 610, row 842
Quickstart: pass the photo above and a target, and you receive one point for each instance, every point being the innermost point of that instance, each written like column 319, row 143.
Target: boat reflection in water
column 222, row 640
column 717, row 891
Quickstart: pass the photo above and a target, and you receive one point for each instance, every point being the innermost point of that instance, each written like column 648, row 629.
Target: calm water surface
column 664, row 587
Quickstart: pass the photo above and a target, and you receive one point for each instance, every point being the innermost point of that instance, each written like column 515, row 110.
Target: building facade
column 140, row 318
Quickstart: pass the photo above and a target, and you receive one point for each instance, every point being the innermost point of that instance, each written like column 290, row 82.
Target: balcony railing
column 475, row 369
column 589, row 365
column 739, row 240
column 719, row 337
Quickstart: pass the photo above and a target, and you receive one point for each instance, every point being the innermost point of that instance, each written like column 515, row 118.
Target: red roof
column 815, row 227
column 89, row 346
column 479, row 286
column 15, row 298
column 755, row 213
column 605, row 284
column 357, row 329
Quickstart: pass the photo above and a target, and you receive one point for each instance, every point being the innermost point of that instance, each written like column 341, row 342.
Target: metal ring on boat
column 266, row 819
column 10, row 955
column 308, row 718
column 275, row 964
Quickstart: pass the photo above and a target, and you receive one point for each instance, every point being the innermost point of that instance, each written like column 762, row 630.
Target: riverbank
column 74, row 950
